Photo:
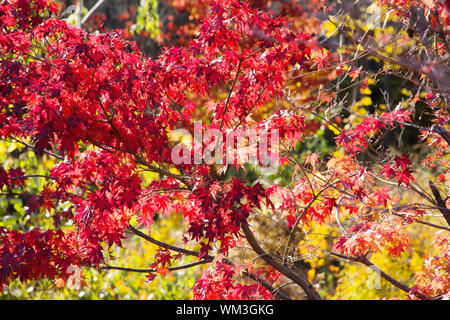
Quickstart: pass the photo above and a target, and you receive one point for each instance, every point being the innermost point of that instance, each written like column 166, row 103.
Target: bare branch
column 366, row 262
column 440, row 202
column 310, row 292
column 91, row 11
column 278, row 294
column 423, row 222
column 186, row 266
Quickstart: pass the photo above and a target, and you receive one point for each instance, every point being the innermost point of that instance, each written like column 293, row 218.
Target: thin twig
column 186, row 266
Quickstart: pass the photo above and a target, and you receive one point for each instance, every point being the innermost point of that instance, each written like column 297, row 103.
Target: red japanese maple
column 104, row 111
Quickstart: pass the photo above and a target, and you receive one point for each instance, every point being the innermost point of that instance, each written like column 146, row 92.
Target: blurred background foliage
column 155, row 24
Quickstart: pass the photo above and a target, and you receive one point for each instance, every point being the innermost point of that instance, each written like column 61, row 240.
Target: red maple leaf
column 383, row 195
column 402, row 161
column 388, row 171
column 404, row 176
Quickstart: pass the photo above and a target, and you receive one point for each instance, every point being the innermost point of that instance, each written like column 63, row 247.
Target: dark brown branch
column 230, row 93
column 19, row 195
column 443, row 133
column 153, row 168
column 186, row 266
column 166, row 245
column 34, row 148
column 139, row 159
column 436, row 129
column 32, row 176
column 310, row 292
column 366, row 262
column 440, row 202
column 423, row 222
column 278, row 294
column 300, row 215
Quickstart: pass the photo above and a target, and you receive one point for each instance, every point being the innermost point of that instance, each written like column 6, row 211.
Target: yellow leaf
column 366, row 101
column 366, row 91
column 311, row 274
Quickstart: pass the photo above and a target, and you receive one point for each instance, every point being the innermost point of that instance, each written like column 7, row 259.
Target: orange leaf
column 355, row 73
column 163, row 271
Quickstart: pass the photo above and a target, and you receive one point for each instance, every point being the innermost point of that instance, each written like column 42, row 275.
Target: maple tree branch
column 109, row 120
column 375, row 53
column 300, row 216
column 279, row 294
column 366, row 262
column 441, row 31
column 163, row 244
column 440, row 202
column 176, row 190
column 276, row 289
column 230, row 93
column 185, row 266
column 423, row 222
column 91, row 11
column 310, row 292
column 32, row 176
column 333, row 67
column 19, row 195
column 421, row 193
column 153, row 168
column 34, row 148
column 253, row 106
column 300, row 166
column 443, row 133
column 139, row 159
column 435, row 128
column 411, row 187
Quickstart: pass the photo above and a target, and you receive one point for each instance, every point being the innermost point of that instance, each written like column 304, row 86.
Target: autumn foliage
column 107, row 114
